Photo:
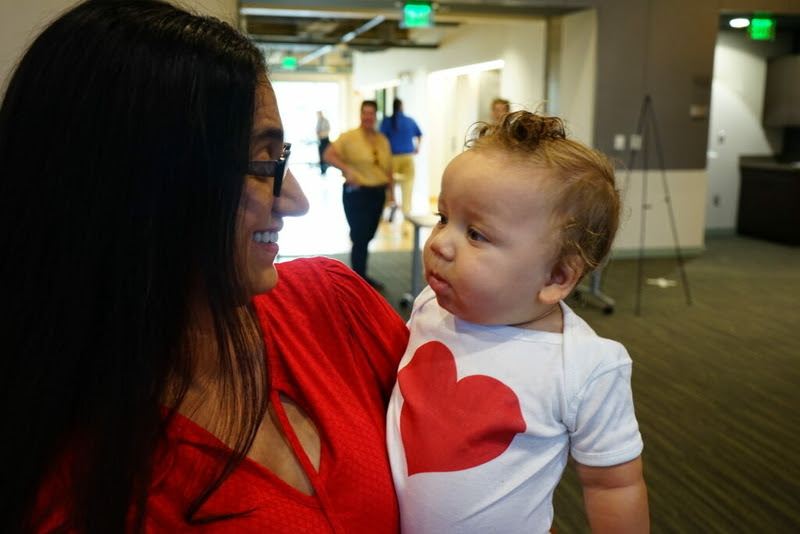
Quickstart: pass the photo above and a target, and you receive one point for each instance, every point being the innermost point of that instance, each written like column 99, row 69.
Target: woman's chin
column 263, row 282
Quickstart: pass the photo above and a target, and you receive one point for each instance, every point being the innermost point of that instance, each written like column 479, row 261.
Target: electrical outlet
column 636, row 142
column 620, row 142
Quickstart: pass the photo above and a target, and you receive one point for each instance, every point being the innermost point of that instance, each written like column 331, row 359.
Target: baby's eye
column 442, row 218
column 475, row 235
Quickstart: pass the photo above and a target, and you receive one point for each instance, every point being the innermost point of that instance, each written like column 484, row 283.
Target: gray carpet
column 716, row 384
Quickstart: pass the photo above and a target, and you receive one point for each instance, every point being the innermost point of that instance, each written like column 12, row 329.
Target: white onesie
column 482, row 419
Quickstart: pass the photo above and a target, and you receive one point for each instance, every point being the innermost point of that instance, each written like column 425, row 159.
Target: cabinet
column 769, row 200
column 781, row 95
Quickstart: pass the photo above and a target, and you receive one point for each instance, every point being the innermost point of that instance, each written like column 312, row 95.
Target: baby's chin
column 447, row 305
column 487, row 319
column 468, row 315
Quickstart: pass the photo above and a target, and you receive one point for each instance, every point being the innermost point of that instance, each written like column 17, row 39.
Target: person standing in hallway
column 365, row 158
column 404, row 137
column 500, row 106
column 323, row 136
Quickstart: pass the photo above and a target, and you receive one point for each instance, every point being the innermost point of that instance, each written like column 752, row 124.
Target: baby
column 501, row 381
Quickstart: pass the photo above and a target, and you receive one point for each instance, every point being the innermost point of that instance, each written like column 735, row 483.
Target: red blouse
column 332, row 346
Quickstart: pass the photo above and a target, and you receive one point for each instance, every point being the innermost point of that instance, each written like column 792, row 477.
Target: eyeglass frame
column 274, row 168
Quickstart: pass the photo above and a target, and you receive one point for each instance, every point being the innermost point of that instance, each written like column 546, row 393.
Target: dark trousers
column 363, row 207
column 323, row 144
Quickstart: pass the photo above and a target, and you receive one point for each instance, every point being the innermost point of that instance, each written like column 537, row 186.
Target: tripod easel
column 646, row 123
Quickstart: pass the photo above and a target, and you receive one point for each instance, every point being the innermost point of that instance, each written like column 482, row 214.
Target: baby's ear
column 563, row 279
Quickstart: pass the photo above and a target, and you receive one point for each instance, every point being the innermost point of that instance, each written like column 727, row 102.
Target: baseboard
column 627, row 254
column 720, row 232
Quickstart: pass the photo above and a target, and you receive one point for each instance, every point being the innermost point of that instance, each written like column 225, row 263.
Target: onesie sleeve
column 602, row 423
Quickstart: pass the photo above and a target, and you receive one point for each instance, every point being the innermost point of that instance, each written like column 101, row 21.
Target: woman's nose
column 293, row 201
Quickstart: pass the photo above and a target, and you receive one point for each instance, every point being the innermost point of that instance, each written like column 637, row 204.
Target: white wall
column 735, row 126
column 522, row 47
column 22, row 20
column 446, row 105
column 227, row 10
column 645, row 200
column 686, row 189
column 20, row 23
column 577, row 72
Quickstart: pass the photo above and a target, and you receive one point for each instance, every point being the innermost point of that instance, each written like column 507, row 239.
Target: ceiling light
column 739, row 22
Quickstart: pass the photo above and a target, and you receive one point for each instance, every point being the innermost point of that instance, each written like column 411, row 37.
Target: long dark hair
column 124, row 138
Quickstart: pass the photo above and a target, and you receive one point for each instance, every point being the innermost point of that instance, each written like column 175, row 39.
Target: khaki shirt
column 369, row 161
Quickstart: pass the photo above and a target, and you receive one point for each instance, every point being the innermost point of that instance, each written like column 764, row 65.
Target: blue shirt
column 401, row 138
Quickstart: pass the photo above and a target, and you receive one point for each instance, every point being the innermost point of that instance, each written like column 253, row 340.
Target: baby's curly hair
column 589, row 204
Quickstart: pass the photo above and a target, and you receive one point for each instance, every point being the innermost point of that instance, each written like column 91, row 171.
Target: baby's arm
column 615, row 498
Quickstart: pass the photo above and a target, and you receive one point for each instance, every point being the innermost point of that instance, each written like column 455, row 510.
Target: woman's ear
column 564, row 277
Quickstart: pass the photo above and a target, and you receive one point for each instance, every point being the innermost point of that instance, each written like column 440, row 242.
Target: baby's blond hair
column 588, row 207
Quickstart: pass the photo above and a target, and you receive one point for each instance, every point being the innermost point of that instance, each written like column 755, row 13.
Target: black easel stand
column 646, row 123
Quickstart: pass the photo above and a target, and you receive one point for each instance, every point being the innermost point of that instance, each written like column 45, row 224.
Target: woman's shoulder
column 319, row 268
column 324, row 303
column 318, row 283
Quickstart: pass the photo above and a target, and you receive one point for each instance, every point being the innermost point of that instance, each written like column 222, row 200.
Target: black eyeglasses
column 275, row 168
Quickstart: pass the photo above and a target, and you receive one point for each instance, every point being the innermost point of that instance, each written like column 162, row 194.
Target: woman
column 499, row 107
column 157, row 375
column 365, row 159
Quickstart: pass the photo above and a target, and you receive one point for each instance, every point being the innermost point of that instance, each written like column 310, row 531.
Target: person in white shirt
column 323, row 138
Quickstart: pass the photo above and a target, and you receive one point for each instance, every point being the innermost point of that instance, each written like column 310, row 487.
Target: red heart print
column 448, row 424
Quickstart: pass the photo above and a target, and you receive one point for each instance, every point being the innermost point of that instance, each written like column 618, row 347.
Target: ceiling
column 321, row 34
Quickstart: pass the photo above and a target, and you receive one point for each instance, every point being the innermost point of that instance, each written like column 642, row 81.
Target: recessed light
column 739, row 22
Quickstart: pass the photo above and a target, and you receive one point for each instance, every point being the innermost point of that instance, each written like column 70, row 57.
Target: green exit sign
column 289, row 62
column 417, row 15
column 762, row 29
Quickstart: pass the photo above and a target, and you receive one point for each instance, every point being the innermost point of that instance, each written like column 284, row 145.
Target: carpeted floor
column 716, row 383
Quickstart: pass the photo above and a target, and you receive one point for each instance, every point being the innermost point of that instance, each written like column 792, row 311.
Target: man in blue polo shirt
column 404, row 137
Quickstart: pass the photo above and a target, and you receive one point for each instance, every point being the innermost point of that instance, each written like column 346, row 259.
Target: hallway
column 323, row 231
